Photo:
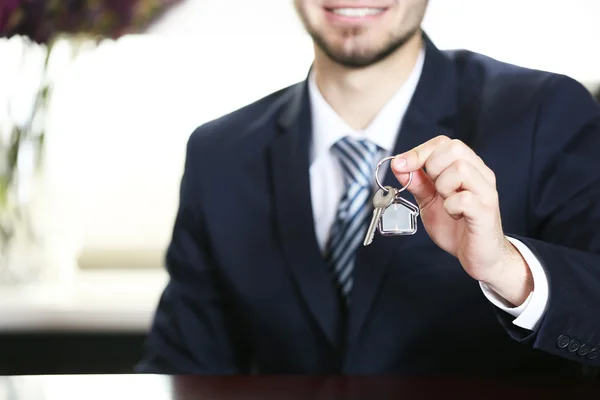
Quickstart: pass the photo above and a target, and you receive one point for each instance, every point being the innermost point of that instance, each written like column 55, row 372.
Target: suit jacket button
column 563, row 341
column 574, row 345
column 584, row 349
column 594, row 353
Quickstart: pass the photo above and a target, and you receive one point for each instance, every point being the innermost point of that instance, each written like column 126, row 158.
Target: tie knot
column 358, row 158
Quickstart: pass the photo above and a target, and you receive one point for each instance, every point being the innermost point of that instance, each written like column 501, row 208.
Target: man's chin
column 360, row 52
column 357, row 57
column 348, row 54
column 356, row 60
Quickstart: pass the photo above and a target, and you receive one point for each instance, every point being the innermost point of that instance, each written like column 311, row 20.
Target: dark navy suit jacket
column 249, row 290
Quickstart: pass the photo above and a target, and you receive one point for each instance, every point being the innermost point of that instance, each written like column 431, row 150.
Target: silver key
column 399, row 218
column 381, row 201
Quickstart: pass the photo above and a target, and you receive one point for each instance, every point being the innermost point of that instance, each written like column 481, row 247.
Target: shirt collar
column 329, row 127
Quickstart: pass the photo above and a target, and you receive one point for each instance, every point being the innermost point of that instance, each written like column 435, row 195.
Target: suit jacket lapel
column 430, row 114
column 289, row 156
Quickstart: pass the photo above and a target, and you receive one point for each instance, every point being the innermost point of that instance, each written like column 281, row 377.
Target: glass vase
column 22, row 240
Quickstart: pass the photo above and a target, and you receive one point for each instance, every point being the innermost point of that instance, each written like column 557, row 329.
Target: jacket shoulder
column 253, row 120
column 495, row 83
column 488, row 68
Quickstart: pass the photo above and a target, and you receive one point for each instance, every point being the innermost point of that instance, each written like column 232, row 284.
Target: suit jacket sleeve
column 192, row 331
column 565, row 223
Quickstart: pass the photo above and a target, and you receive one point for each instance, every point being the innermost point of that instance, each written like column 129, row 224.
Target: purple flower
column 40, row 20
column 7, row 8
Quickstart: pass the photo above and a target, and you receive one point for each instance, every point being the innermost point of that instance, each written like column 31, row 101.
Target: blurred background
column 94, row 118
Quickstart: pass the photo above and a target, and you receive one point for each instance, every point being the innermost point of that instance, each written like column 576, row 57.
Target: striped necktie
column 358, row 159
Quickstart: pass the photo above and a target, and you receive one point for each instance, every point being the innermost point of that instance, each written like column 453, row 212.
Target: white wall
column 122, row 114
column 560, row 36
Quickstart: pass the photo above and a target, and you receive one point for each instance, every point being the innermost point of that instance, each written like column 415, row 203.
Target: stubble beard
column 360, row 58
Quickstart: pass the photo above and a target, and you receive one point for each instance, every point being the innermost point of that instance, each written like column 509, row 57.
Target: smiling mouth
column 356, row 12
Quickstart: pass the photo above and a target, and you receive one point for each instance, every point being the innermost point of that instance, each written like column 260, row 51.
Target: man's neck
column 358, row 95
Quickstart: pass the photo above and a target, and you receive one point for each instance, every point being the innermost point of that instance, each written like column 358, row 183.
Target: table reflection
column 372, row 387
column 154, row 387
column 86, row 387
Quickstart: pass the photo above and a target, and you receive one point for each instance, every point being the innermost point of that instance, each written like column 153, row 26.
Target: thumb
column 422, row 187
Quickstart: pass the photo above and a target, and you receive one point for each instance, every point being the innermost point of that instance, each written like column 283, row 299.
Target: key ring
column 379, row 183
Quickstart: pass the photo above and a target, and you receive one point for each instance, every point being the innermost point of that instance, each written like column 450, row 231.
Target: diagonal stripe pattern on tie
column 358, row 159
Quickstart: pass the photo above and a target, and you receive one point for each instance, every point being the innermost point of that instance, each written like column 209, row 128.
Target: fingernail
column 399, row 162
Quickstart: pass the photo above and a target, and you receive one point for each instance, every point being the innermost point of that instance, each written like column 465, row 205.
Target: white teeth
column 357, row 12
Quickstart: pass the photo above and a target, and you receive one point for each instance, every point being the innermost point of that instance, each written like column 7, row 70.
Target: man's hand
column 459, row 209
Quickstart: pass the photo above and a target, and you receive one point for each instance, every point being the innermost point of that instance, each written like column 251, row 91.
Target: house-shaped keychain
column 399, row 218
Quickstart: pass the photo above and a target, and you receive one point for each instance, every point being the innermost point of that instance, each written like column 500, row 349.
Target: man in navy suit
column 267, row 268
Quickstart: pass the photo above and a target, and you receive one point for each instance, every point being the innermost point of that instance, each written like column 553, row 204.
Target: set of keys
column 392, row 214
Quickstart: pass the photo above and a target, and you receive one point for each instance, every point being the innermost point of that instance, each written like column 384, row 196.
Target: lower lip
column 353, row 20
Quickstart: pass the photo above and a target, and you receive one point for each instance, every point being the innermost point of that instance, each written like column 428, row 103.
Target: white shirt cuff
column 528, row 314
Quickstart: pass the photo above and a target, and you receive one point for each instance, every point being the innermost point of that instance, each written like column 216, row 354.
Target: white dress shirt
column 327, row 183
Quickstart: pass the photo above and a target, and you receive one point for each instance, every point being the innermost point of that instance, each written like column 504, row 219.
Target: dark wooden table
column 153, row 387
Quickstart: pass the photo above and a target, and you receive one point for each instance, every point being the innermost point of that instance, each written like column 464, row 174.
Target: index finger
column 416, row 158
